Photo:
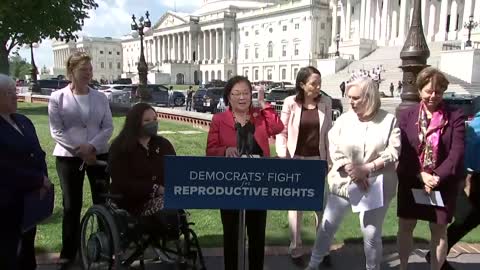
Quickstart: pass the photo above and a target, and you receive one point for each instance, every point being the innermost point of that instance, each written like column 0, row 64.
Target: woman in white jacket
column 364, row 142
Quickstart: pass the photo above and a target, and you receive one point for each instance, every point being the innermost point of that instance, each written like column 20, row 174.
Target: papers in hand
column 365, row 200
column 422, row 197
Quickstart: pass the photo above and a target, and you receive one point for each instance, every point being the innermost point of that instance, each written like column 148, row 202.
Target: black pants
column 255, row 222
column 457, row 230
column 11, row 258
column 189, row 105
column 71, row 181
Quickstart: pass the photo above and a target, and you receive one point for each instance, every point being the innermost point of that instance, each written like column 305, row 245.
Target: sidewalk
column 462, row 257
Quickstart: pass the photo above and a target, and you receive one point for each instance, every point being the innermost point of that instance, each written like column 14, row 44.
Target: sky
column 112, row 18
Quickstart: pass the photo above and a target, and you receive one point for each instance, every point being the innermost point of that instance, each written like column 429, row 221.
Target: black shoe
column 299, row 261
column 327, row 261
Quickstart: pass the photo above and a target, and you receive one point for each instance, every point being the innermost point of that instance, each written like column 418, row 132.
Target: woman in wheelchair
column 136, row 167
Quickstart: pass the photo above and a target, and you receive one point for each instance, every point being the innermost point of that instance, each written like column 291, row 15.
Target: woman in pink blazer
column 307, row 117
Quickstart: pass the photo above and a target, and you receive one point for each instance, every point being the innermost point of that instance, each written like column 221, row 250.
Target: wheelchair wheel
column 100, row 240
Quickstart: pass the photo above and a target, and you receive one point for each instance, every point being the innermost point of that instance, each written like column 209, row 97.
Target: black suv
column 158, row 95
column 215, row 84
column 206, row 100
column 48, row 86
column 278, row 95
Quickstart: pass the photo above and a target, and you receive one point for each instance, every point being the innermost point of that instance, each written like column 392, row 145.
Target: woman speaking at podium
column 243, row 130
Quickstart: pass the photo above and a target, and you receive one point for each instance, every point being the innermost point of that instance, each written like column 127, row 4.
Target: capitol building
column 273, row 39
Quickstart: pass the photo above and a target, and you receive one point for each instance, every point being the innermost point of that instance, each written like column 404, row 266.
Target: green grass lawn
column 208, row 225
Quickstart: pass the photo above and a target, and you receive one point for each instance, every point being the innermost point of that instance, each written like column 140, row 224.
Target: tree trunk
column 4, row 65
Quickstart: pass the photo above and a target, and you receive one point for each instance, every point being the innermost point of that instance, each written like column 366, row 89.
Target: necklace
column 241, row 120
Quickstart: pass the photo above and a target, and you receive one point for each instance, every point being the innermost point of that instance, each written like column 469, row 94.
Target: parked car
column 278, row 95
column 118, row 95
column 158, row 95
column 274, row 85
column 470, row 104
column 48, row 86
column 206, row 99
column 215, row 83
column 123, row 81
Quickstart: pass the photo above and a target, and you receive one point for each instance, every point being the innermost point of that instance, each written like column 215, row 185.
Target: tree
column 19, row 67
column 27, row 21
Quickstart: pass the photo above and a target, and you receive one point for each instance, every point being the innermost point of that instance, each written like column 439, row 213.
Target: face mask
column 151, row 128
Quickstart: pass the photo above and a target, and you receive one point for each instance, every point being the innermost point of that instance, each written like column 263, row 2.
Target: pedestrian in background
column 248, row 128
column 24, row 170
column 364, row 143
column 189, row 99
column 307, row 118
column 81, row 126
column 431, row 161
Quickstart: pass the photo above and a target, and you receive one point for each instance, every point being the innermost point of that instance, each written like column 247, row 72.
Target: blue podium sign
column 244, row 183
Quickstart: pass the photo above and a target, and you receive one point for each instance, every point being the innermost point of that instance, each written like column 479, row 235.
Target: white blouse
column 356, row 142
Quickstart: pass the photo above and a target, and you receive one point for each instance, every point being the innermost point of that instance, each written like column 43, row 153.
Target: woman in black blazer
column 23, row 169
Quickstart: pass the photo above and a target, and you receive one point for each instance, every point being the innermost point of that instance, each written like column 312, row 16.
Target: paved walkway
column 348, row 257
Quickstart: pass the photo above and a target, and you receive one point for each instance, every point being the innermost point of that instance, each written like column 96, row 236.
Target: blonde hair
column 371, row 95
column 76, row 59
column 433, row 75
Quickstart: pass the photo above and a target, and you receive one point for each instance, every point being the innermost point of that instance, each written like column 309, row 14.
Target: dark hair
column 302, row 77
column 433, row 75
column 231, row 83
column 131, row 131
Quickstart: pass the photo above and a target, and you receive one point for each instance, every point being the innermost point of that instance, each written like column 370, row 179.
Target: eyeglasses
column 237, row 94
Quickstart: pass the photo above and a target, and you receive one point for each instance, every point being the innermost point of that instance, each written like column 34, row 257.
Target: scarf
column 429, row 136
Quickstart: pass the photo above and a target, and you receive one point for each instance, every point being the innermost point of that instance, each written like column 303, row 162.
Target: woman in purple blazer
column 431, row 160
column 81, row 125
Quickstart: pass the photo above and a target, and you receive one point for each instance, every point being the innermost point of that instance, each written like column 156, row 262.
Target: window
column 256, row 75
column 118, row 53
column 270, row 49
column 110, row 65
column 322, row 26
column 269, row 74
column 101, row 52
column 256, row 33
column 295, row 71
column 246, row 33
column 284, row 28
column 284, row 74
column 118, row 65
column 270, row 30
column 256, row 53
column 246, row 73
column 297, row 26
column 295, row 52
column 246, row 53
column 109, row 53
column 284, row 50
column 102, row 65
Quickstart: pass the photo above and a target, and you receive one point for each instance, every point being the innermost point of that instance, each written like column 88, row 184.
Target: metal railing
column 451, row 46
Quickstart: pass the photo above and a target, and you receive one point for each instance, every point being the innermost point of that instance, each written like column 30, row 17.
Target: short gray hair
column 6, row 82
column 370, row 92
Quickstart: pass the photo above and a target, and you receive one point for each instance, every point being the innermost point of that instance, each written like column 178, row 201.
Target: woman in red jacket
column 253, row 127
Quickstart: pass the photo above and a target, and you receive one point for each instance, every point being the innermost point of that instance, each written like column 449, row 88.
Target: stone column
column 211, row 51
column 467, row 11
column 171, row 55
column 190, row 48
column 403, row 21
column 199, row 47
column 165, row 48
column 233, row 36
column 205, row 51
column 476, row 11
column 224, row 45
column 334, row 21
column 362, row 19
column 185, row 48
column 160, row 50
column 155, row 44
column 442, row 27
column 432, row 14
column 452, row 34
column 348, row 19
column 217, row 45
column 384, row 23
column 378, row 14
column 368, row 9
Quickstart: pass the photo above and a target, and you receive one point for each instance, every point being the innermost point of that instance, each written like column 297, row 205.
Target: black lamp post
column 414, row 57
column 337, row 40
column 142, row 65
column 34, row 70
column 470, row 25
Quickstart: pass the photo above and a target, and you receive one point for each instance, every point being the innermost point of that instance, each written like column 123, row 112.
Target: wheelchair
column 111, row 238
